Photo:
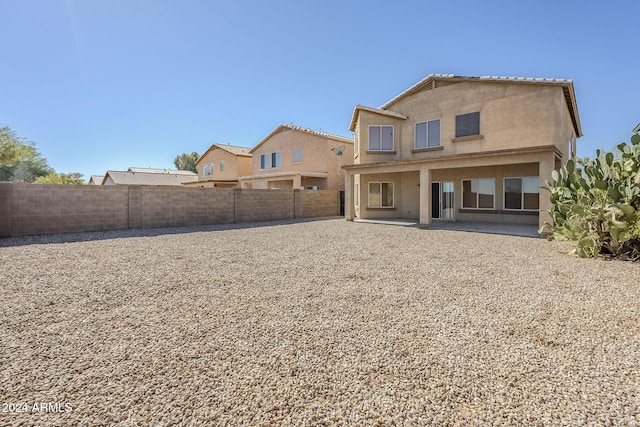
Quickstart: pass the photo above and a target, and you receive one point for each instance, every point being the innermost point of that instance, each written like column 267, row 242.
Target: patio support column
column 425, row 195
column 297, row 181
column 545, row 167
column 348, row 196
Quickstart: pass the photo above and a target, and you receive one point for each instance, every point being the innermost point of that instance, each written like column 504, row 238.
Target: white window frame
column 276, row 160
column 356, row 194
column 297, row 159
column 381, row 183
column 478, row 193
column 265, row 161
column 222, row 166
column 356, row 143
column 504, row 193
column 393, row 137
column 415, row 134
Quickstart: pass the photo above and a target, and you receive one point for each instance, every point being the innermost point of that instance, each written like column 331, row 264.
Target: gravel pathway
column 314, row 323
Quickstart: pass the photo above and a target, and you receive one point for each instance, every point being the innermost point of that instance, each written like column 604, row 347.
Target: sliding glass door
column 442, row 200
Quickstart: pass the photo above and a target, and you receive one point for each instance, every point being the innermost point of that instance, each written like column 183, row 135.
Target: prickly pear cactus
column 596, row 203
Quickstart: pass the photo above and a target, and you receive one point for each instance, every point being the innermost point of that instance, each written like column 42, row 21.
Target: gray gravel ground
column 315, row 323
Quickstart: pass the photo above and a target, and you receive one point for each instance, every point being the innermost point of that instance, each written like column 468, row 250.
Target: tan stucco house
column 462, row 149
column 221, row 165
column 293, row 157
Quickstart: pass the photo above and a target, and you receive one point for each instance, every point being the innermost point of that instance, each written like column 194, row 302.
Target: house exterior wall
column 317, row 158
column 235, row 166
column 511, row 116
column 526, row 131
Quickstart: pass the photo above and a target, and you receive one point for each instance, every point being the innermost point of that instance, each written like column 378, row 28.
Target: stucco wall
column 317, row 157
column 28, row 209
column 511, row 116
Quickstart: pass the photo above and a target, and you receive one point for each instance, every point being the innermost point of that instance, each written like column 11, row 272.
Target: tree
column 60, row 178
column 20, row 161
column 187, row 162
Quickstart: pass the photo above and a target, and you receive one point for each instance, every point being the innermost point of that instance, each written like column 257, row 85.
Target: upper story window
column 207, row 170
column 297, row 155
column 427, row 134
column 468, row 124
column 356, row 143
column 276, row 159
column 222, row 165
column 265, row 161
column 381, row 138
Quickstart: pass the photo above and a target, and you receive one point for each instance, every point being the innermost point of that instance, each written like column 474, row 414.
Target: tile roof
column 156, row 170
column 233, row 149
column 146, row 178
column 291, row 126
column 437, row 80
column 96, row 179
column 637, row 128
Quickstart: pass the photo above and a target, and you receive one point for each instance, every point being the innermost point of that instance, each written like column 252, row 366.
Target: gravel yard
column 314, row 323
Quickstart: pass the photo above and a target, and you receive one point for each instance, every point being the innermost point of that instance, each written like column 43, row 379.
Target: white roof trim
column 291, row 126
column 389, row 113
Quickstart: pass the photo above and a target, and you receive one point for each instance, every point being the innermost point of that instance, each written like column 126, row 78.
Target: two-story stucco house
column 462, row 149
column 293, row 157
column 221, row 165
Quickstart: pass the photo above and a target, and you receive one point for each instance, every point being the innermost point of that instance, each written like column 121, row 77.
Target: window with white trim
column 427, row 134
column 356, row 194
column 297, row 154
column 222, row 165
column 264, row 161
column 276, row 159
column 356, row 143
column 207, row 170
column 478, row 193
column 381, row 195
column 522, row 193
column 380, row 138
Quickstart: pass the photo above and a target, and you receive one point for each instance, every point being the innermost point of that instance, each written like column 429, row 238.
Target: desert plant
column 596, row 203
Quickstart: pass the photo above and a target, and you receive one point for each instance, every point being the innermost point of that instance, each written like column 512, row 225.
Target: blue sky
column 104, row 85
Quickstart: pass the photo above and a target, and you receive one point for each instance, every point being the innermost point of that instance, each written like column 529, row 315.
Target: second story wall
column 466, row 117
column 221, row 165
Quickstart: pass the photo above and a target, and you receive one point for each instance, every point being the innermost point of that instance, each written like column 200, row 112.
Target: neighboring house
column 221, row 165
column 292, row 157
column 148, row 178
column 166, row 171
column 463, row 149
column 637, row 128
column 96, row 179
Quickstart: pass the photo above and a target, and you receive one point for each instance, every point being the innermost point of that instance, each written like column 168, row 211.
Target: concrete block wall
column 309, row 204
column 28, row 209
column 263, row 205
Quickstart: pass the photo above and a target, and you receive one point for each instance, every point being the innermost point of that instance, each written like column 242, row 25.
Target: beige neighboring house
column 96, row 179
column 158, row 170
column 462, row 149
column 221, row 165
column 131, row 177
column 293, row 157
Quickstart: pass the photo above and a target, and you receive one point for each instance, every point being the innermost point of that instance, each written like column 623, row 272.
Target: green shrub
column 596, row 203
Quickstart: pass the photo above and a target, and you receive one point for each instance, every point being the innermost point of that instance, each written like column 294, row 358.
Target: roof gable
column 287, row 127
column 232, row 149
column 388, row 113
column 433, row 81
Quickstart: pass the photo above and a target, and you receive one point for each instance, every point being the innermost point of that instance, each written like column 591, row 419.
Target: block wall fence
column 29, row 209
